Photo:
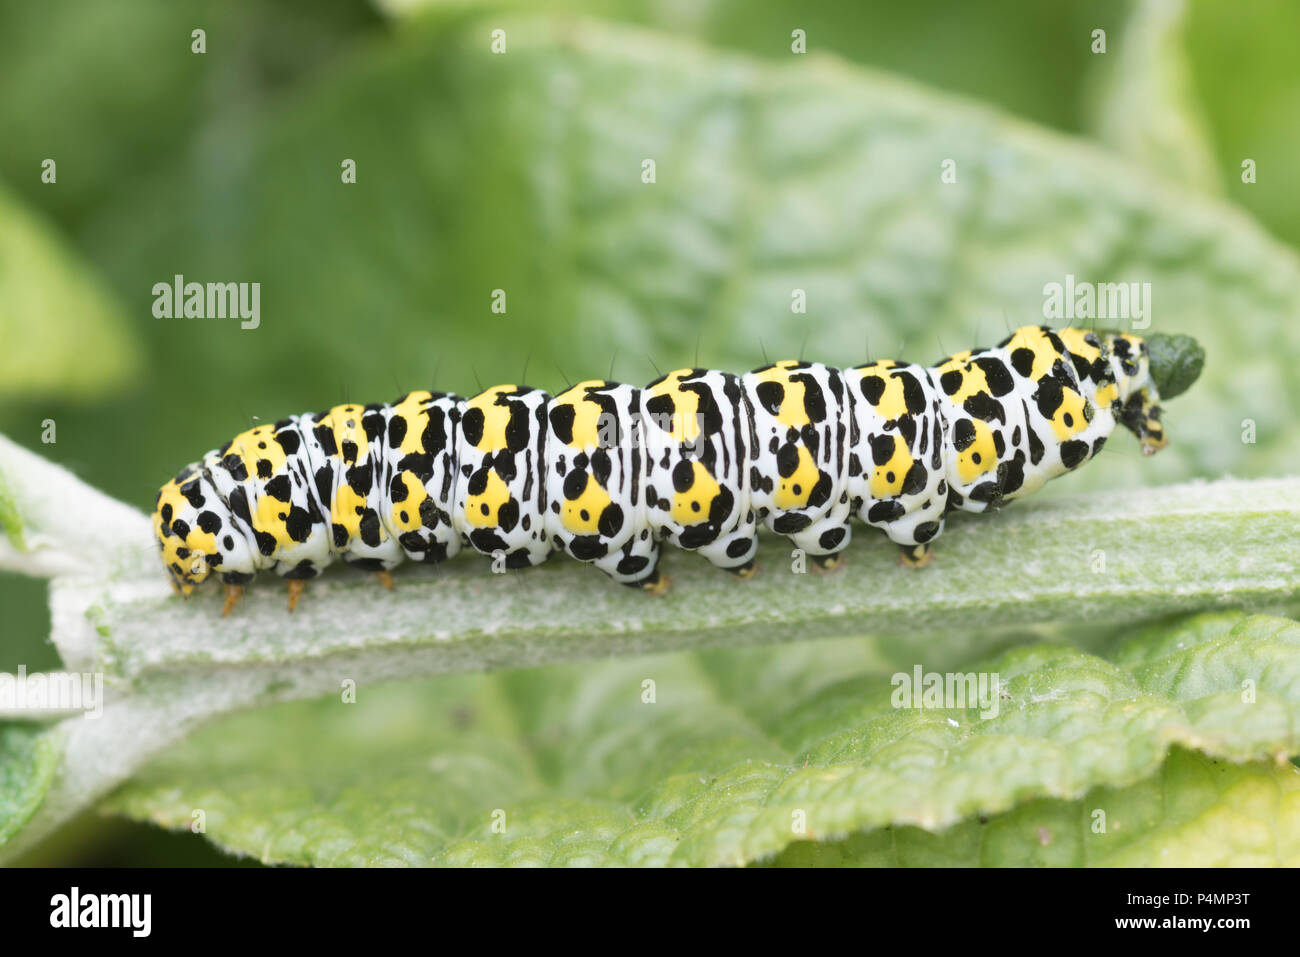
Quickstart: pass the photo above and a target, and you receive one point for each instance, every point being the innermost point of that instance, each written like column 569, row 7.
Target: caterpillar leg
column 233, row 594
column 826, row 563
column 732, row 551
column 296, row 585
column 385, row 578
column 915, row 556
column 745, row 571
column 914, row 533
column 823, row 542
column 634, row 564
column 654, row 584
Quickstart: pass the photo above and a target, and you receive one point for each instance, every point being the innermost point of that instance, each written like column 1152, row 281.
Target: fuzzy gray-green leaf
column 691, row 759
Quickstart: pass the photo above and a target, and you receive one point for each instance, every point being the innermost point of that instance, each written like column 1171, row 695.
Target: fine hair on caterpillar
column 607, row 472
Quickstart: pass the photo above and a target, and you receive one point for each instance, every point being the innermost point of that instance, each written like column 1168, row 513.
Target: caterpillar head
column 1137, row 403
column 1145, row 371
column 196, row 532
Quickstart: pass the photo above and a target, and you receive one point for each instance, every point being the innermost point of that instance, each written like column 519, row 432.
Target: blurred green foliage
column 225, row 166
column 1244, row 70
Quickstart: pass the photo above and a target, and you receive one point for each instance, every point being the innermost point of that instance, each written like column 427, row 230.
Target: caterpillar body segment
column 421, row 465
column 606, row 472
column 800, row 417
column 897, row 451
column 500, row 500
column 697, row 477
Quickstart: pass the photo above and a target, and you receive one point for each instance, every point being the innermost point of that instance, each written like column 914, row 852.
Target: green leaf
column 1143, row 100
column 735, row 748
column 1027, row 59
column 63, row 333
column 1196, row 812
column 1099, row 559
column 1239, row 682
column 29, row 758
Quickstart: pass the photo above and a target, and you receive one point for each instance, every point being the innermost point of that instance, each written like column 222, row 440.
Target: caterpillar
column 606, row 472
